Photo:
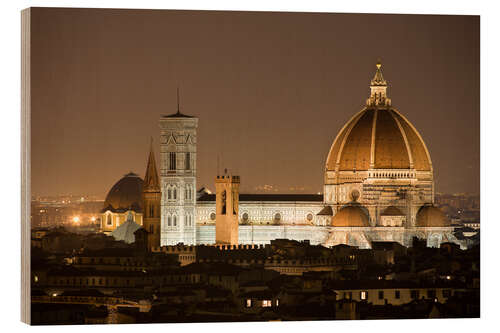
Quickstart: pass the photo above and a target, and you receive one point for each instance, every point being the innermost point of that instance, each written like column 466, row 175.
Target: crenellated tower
column 227, row 208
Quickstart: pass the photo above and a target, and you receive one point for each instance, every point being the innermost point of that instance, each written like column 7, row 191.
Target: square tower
column 178, row 178
column 227, row 208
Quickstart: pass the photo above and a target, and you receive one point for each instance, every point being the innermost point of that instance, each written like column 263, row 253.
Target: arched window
column 175, row 193
column 151, row 210
column 109, row 219
column 175, row 220
column 169, row 221
column 277, row 217
column 169, row 196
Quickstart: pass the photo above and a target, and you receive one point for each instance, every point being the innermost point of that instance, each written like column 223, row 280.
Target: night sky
column 271, row 91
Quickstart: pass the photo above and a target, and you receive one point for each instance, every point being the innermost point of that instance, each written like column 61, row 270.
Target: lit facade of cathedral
column 378, row 186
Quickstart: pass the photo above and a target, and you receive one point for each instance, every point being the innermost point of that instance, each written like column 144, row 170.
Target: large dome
column 378, row 139
column 125, row 195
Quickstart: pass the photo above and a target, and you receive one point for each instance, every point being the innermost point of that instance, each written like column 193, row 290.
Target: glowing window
column 363, row 295
column 249, row 303
column 266, row 303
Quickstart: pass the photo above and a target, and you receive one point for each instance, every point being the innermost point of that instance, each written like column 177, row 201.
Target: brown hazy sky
column 271, row 91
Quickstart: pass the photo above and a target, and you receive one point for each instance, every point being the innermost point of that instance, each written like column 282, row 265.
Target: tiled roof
column 269, row 197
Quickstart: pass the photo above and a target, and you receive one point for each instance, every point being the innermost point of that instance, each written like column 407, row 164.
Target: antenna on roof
column 178, row 109
column 218, row 165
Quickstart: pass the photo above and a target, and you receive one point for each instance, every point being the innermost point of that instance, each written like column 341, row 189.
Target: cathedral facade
column 378, row 186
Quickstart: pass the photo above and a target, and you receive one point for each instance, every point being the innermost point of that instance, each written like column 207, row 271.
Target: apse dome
column 350, row 216
column 125, row 195
column 378, row 137
column 392, row 211
column 430, row 216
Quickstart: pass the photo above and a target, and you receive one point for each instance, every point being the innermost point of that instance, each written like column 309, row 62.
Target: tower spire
column 178, row 103
column 378, row 89
column 151, row 180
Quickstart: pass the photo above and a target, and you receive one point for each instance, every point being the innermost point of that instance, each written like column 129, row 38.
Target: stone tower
column 226, row 222
column 151, row 196
column 178, row 178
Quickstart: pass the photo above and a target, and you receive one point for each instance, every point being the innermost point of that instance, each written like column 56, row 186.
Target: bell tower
column 151, row 196
column 227, row 207
column 178, row 135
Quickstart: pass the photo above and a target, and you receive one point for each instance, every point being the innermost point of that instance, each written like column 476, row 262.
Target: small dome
column 392, row 211
column 350, row 216
column 125, row 195
column 326, row 211
column 430, row 216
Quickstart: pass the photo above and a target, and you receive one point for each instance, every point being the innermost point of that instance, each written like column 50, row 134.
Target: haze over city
column 271, row 91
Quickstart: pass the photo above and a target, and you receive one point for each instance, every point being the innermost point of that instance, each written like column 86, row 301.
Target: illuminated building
column 378, row 186
column 124, row 197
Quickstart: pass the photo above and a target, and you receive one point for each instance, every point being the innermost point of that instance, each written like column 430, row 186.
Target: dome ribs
column 333, row 155
column 403, row 134
column 372, row 147
column 355, row 154
column 420, row 154
column 390, row 149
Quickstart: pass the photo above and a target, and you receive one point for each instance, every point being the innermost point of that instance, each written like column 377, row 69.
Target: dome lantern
column 378, row 89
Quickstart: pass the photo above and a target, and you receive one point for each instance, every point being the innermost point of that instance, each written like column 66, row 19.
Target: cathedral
column 378, row 186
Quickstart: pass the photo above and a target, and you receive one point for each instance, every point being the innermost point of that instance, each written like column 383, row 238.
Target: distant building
column 124, row 197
